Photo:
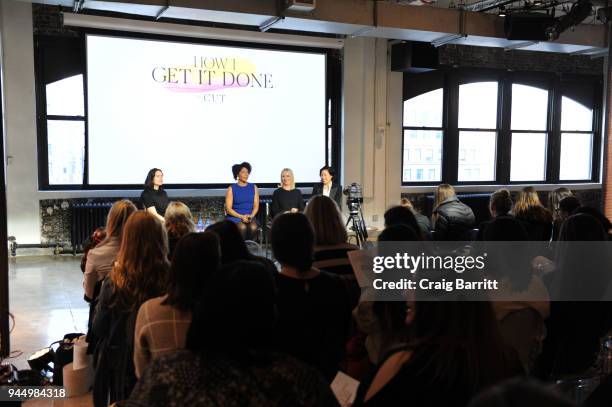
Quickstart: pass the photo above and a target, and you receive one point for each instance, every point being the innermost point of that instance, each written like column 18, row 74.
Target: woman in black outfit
column 313, row 308
column 328, row 186
column 287, row 198
column 154, row 198
column 454, row 351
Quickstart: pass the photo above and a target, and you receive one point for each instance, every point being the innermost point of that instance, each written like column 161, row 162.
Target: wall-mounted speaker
column 414, row 57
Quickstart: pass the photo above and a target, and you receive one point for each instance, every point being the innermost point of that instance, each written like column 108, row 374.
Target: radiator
column 86, row 217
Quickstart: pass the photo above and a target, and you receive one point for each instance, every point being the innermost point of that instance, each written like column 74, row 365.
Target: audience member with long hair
column 229, row 359
column 162, row 322
column 454, row 351
column 138, row 274
column 537, row 219
column 331, row 238
column 373, row 317
column 314, row 310
column 554, row 197
column 233, row 247
column 452, row 219
column 521, row 302
column 101, row 258
column 579, row 316
column 179, row 222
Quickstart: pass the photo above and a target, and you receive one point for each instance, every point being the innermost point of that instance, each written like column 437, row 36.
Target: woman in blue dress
column 242, row 201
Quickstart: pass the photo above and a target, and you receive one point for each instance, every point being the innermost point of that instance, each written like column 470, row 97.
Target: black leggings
column 248, row 230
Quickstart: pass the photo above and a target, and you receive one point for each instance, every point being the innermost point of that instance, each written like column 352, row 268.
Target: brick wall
column 497, row 58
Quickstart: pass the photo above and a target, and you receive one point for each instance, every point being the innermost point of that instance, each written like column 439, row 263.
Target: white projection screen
column 193, row 110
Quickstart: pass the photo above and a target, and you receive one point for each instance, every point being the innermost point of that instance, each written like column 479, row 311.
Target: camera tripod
column 358, row 226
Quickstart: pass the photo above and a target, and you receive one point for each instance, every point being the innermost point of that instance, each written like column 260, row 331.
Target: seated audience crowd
column 181, row 318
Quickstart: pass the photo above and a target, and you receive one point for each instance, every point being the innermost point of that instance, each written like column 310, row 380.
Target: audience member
column 179, row 222
column 233, row 247
column 537, row 219
column 567, row 206
column 375, row 318
column 554, row 197
column 162, row 322
column 417, row 210
column 330, row 236
column 454, row 351
column 314, row 310
column 96, row 237
column 230, row 361
column 452, row 219
column 139, row 273
column 500, row 205
column 101, row 258
column 398, row 215
column 521, row 302
column 578, row 318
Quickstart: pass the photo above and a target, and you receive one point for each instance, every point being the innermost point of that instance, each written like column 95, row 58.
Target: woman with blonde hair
column 535, row 217
column 451, row 218
column 139, row 273
column 179, row 222
column 100, row 259
column 286, row 198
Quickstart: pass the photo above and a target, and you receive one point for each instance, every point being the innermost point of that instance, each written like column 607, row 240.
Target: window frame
column 425, row 128
column 556, row 85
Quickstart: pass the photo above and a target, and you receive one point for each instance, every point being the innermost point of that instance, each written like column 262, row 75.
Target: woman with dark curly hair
column 242, row 201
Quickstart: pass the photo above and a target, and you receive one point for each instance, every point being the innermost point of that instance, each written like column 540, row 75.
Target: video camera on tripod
column 354, row 199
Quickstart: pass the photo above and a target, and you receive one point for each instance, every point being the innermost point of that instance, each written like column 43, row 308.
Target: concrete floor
column 46, row 299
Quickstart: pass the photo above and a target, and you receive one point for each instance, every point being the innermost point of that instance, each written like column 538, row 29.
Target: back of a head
column 178, row 219
column 461, row 340
column 326, row 220
column 569, row 204
column 196, row 257
column 582, row 227
column 500, row 202
column 597, row 214
column 117, row 217
column 237, row 311
column 527, row 198
column 141, row 266
column 519, row 393
column 398, row 215
column 400, row 233
column 505, row 230
column 232, row 244
column 292, row 239
column 443, row 192
column 555, row 196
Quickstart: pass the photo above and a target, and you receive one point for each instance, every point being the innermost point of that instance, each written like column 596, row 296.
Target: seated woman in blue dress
column 242, row 201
